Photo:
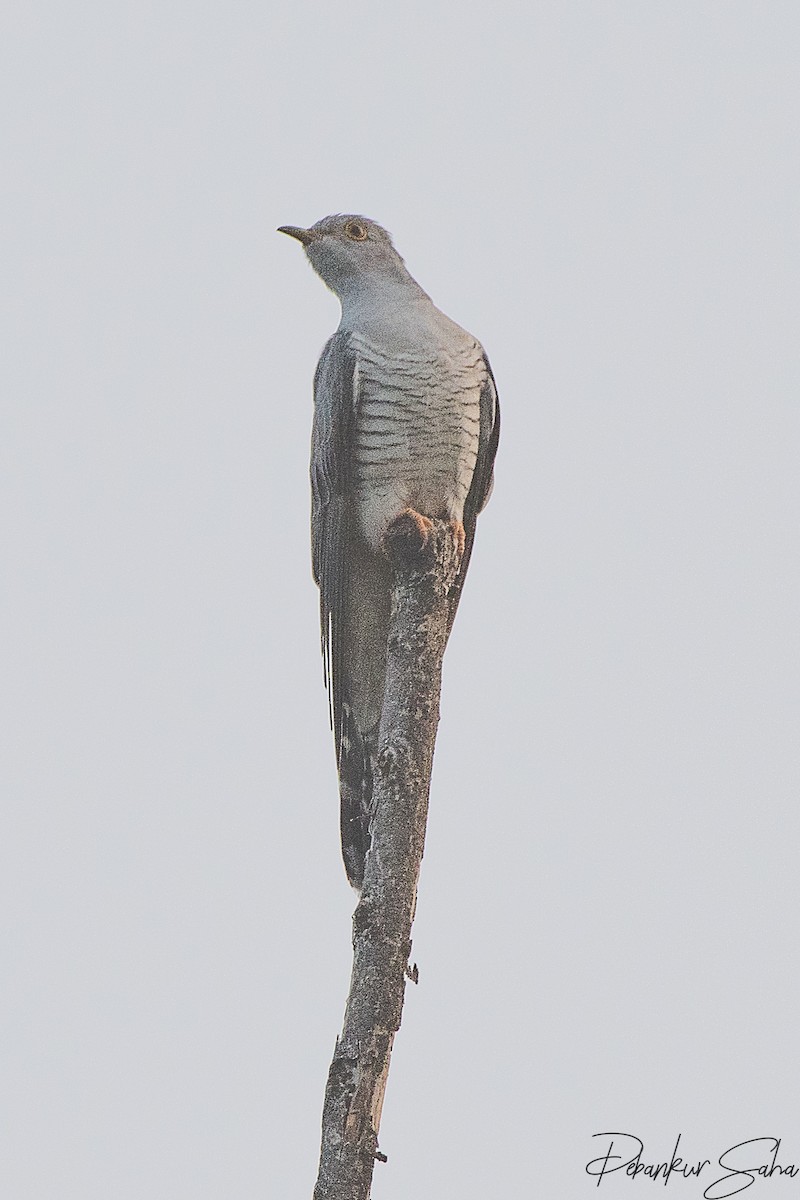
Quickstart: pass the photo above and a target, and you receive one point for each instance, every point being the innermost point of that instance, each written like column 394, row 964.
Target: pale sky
column 606, row 195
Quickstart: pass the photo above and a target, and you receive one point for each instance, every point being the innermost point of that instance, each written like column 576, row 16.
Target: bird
column 406, row 425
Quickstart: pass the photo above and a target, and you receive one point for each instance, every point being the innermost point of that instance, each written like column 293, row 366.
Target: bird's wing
column 482, row 479
column 331, row 442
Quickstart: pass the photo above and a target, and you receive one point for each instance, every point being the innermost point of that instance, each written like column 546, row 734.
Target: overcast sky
column 606, row 194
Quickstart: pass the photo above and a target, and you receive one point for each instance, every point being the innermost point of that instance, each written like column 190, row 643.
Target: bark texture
column 425, row 561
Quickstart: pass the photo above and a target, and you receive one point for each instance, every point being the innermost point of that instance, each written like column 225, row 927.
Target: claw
column 408, row 534
column 460, row 536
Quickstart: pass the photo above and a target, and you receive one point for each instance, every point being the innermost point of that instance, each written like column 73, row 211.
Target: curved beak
column 303, row 235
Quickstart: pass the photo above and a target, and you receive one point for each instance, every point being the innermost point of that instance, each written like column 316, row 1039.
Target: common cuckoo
column 406, row 423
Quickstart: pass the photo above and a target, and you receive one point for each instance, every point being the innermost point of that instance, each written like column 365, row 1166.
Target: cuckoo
column 406, row 424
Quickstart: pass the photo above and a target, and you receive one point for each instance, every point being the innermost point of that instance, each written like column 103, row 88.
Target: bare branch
column 425, row 561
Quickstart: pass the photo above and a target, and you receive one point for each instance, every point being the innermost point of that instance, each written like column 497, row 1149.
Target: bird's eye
column 355, row 231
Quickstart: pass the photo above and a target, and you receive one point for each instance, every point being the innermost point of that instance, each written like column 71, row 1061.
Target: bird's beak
column 303, row 235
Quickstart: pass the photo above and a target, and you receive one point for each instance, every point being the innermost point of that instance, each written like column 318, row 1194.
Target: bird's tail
column 357, row 760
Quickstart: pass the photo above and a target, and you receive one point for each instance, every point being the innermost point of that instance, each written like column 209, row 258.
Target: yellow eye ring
column 355, row 231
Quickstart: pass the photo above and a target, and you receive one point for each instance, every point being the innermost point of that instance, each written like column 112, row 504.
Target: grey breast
column 417, row 428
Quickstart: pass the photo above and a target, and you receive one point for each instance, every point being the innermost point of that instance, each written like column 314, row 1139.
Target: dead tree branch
column 425, row 562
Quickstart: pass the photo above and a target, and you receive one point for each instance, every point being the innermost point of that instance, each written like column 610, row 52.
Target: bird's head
column 350, row 253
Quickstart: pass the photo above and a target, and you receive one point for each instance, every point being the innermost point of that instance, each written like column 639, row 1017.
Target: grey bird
column 406, row 423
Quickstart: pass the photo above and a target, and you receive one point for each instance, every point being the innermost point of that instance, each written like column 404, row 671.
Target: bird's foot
column 407, row 536
column 458, row 533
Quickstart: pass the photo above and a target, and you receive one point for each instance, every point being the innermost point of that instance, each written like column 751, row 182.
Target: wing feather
column 482, row 479
column 331, row 515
